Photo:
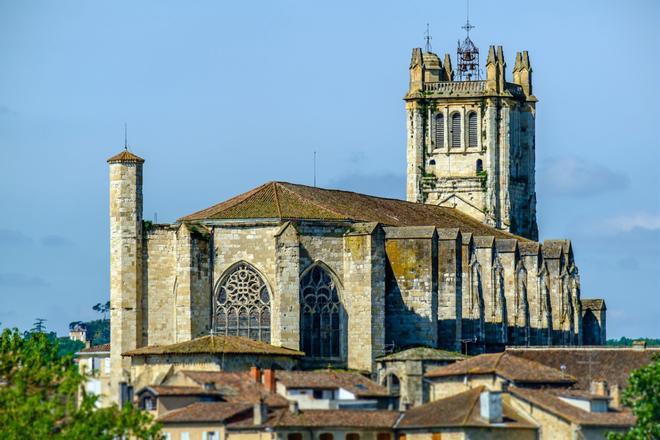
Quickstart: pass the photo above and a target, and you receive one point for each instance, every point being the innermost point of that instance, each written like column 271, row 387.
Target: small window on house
column 318, row 394
column 402, row 437
column 294, row 436
column 326, row 436
column 473, row 140
column 432, row 162
column 185, row 436
column 439, row 140
column 383, row 436
column 480, row 166
column 167, row 436
column 455, row 130
column 149, row 403
column 352, row 436
column 436, row 436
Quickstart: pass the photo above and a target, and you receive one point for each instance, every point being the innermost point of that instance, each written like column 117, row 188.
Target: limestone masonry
column 347, row 278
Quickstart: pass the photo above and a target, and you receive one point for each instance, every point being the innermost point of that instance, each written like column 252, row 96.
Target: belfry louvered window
column 455, row 130
column 242, row 304
column 472, row 130
column 320, row 314
column 439, row 131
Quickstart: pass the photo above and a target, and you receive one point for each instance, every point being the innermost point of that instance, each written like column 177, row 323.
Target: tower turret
column 125, row 264
column 492, row 71
column 501, row 69
column 449, row 71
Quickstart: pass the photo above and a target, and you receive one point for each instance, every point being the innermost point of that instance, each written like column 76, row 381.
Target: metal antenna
column 428, row 38
column 125, row 136
column 315, row 169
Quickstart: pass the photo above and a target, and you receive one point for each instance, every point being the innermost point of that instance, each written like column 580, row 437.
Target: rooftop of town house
column 323, row 418
column 204, row 412
column 423, row 354
column 352, row 382
column 505, row 365
column 552, row 403
column 216, row 345
column 288, row 201
column 460, row 410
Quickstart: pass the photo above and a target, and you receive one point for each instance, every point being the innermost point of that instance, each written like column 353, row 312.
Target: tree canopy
column 41, row 396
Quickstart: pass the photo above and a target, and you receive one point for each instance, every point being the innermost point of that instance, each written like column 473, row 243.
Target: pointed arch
column 474, row 327
column 498, row 300
column 522, row 305
column 242, row 303
column 322, row 315
column 544, row 317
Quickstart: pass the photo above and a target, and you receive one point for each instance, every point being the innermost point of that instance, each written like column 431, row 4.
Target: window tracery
column 242, row 304
column 320, row 314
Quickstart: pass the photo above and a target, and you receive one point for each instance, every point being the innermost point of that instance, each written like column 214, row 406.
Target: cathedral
column 347, row 278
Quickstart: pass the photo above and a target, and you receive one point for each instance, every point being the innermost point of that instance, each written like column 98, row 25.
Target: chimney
column 269, row 380
column 615, row 396
column 639, row 345
column 260, row 413
column 598, row 388
column 255, row 374
column 293, row 407
column 491, row 406
column 88, row 344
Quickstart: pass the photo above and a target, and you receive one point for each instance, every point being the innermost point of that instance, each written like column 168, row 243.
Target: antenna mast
column 125, row 136
column 428, row 38
column 315, row 169
column 467, row 54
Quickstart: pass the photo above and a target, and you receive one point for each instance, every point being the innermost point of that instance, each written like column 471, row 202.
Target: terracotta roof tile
column 169, row 390
column 237, row 387
column 613, row 365
column 125, row 156
column 423, row 353
column 459, row 410
column 352, row 382
column 287, row 201
column 553, row 404
column 216, row 345
column 505, row 365
column 209, row 412
column 96, row 349
column 326, row 418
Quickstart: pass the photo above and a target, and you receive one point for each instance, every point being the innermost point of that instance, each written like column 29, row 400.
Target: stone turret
column 449, row 71
column 492, row 71
column 125, row 263
column 501, row 69
column 522, row 72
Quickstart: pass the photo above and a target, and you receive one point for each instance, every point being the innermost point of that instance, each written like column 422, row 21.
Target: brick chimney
column 269, row 380
column 598, row 388
column 255, row 374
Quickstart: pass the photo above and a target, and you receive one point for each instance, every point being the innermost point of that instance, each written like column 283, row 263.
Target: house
column 94, row 363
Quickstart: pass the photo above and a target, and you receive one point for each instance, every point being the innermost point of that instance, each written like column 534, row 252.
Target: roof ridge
column 474, row 403
column 277, row 199
column 310, row 200
column 499, row 359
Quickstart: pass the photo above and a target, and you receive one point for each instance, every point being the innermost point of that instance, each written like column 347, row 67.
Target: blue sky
column 220, row 97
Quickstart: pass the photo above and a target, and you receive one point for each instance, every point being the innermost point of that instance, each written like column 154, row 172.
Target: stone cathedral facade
column 347, row 277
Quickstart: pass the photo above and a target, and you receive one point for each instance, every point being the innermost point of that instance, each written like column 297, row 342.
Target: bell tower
column 470, row 141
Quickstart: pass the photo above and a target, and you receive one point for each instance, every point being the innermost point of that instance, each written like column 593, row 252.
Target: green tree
column 41, row 396
column 643, row 396
column 39, row 325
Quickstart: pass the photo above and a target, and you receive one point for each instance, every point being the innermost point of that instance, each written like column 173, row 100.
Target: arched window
column 455, row 130
column 320, row 327
column 439, row 130
column 473, row 139
column 480, row 166
column 242, row 304
column 393, row 384
column 352, row 436
column 326, row 436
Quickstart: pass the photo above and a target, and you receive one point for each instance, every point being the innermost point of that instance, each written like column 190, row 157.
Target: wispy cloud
column 15, row 279
column 578, row 177
column 56, row 241
column 640, row 220
column 12, row 237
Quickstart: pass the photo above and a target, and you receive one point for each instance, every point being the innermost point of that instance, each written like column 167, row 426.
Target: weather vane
column 468, row 27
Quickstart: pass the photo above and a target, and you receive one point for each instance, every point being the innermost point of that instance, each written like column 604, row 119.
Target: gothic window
column 242, row 304
column 320, row 314
column 472, row 130
column 480, row 166
column 455, row 130
column 439, row 130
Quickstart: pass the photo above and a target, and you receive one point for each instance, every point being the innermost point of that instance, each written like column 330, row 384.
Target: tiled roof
column 505, row 365
column 216, row 345
column 125, row 156
column 352, row 382
column 424, row 354
column 326, row 418
column 613, row 365
column 237, row 387
column 96, row 349
column 169, row 390
column 287, row 201
column 213, row 412
column 553, row 404
column 458, row 410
